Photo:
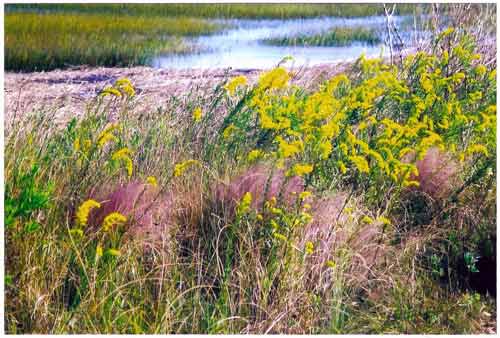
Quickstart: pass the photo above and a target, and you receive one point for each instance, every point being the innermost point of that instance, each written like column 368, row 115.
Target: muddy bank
column 68, row 91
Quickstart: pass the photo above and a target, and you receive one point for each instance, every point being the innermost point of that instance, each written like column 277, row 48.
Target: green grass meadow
column 341, row 36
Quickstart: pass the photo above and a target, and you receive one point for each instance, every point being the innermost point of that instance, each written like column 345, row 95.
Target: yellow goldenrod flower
column 235, row 83
column 289, row 149
column 107, row 135
column 254, row 155
column 360, row 163
column 274, row 79
column 477, row 148
column 408, row 184
column 98, row 251
column 331, row 264
column 260, row 217
column 82, row 215
column 280, row 237
column 342, row 167
column 125, row 85
column 152, row 181
column 367, row 219
column 309, row 248
column 76, row 232
column 114, row 218
column 300, row 170
column 124, row 156
column 384, row 220
column 325, row 149
column 76, row 145
column 305, row 194
column 228, row 131
column 110, row 91
column 305, row 217
column 197, row 114
column 181, row 167
column 244, row 204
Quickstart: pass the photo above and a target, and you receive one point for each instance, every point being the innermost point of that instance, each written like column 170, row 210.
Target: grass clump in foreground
column 35, row 42
column 261, row 208
column 339, row 36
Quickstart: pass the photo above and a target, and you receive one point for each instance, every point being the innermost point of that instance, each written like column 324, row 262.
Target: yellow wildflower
column 254, row 155
column 325, row 149
column 367, row 220
column 98, row 251
column 197, row 114
column 125, row 85
column 76, row 232
column 300, row 169
column 152, row 181
column 244, row 204
column 114, row 218
column 309, row 248
column 384, row 220
column 76, row 145
column 124, row 156
column 305, row 194
column 228, row 131
column 289, row 149
column 360, row 163
column 181, row 167
column 235, row 83
column 275, row 79
column 110, row 91
column 82, row 215
column 280, row 237
column 107, row 135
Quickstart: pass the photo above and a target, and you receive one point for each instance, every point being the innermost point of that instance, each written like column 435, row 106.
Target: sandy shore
column 68, row 91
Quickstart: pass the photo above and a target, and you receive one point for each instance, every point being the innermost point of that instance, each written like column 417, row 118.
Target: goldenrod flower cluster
column 183, row 166
column 235, row 83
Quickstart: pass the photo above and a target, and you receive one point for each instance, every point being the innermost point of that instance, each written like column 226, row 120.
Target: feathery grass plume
column 263, row 184
column 437, row 173
column 149, row 213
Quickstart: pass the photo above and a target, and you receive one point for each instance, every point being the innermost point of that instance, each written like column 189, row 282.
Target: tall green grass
column 250, row 11
column 35, row 42
column 339, row 36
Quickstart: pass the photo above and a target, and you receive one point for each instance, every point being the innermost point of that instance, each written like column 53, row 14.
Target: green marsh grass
column 341, row 36
column 248, row 11
column 47, row 41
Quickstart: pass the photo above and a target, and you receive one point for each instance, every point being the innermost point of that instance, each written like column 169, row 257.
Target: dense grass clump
column 48, row 41
column 339, row 36
column 249, row 11
column 261, row 208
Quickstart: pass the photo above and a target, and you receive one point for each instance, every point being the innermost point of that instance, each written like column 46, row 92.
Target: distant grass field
column 253, row 11
column 49, row 36
column 35, row 42
column 339, row 36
